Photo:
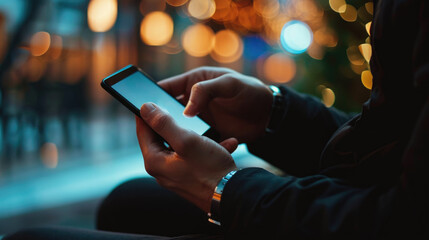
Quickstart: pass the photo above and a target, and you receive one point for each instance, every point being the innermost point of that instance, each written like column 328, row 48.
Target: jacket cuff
column 242, row 194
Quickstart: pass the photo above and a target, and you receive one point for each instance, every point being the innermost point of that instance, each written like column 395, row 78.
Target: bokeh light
column 296, row 37
column 279, row 68
column 366, row 79
column 198, row 40
column 369, row 6
column 49, row 155
column 358, row 69
column 325, row 37
column 368, row 28
column 366, row 51
column 228, row 46
column 102, row 14
column 316, row 51
column 40, row 43
column 156, row 28
column 328, row 97
column 337, row 5
column 225, row 11
column 176, row 3
column 201, row 9
column 249, row 18
column 354, row 55
column 350, row 13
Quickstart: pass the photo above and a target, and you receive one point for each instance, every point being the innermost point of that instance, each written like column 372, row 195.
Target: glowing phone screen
column 138, row 89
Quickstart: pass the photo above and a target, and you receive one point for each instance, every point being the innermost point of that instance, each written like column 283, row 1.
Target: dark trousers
column 137, row 209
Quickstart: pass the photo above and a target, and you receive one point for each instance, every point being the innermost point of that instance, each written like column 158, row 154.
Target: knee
column 117, row 202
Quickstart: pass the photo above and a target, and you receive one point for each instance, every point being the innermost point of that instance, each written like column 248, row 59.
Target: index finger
column 182, row 83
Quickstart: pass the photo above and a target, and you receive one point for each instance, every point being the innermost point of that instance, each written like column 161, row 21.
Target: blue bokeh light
column 254, row 47
column 296, row 37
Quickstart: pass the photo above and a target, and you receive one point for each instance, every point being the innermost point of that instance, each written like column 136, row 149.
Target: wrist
column 214, row 214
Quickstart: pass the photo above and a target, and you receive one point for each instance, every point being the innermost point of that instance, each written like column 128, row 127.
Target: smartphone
column 133, row 87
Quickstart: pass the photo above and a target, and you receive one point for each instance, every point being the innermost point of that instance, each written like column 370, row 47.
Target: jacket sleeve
column 305, row 128
column 259, row 205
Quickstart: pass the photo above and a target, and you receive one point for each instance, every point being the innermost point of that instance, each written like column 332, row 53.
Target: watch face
column 275, row 89
column 277, row 110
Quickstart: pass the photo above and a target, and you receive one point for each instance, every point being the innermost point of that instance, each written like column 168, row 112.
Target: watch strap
column 214, row 214
column 277, row 109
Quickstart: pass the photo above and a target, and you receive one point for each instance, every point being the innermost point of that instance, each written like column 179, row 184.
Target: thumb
column 230, row 144
column 163, row 124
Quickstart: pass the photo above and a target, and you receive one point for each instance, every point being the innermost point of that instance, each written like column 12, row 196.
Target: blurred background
column 65, row 143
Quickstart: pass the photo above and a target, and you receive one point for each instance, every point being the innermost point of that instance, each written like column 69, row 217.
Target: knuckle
column 198, row 88
column 150, row 170
column 189, row 142
column 159, row 122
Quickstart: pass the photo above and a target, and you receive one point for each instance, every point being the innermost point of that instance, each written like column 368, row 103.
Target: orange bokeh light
column 40, row 43
column 156, row 28
column 337, row 5
column 279, row 68
column 366, row 51
column 350, row 13
column 366, row 79
column 228, row 46
column 201, row 9
column 328, row 96
column 224, row 14
column 49, row 155
column 102, row 14
column 198, row 40
column 250, row 19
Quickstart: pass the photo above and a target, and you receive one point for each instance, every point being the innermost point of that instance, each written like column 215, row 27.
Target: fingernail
column 146, row 109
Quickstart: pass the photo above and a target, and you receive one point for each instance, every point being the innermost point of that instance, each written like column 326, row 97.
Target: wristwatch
column 214, row 214
column 277, row 110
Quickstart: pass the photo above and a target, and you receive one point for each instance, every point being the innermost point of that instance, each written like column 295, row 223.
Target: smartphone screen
column 138, row 89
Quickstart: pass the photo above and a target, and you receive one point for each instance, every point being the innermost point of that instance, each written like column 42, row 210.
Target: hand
column 234, row 104
column 195, row 166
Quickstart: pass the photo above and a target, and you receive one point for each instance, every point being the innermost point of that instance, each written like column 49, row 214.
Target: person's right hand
column 234, row 104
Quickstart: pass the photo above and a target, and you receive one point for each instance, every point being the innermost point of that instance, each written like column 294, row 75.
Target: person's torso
column 369, row 148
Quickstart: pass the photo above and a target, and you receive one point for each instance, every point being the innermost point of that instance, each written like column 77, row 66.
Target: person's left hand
column 194, row 167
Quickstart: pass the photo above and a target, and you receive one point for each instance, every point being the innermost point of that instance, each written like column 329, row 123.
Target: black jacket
column 360, row 177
